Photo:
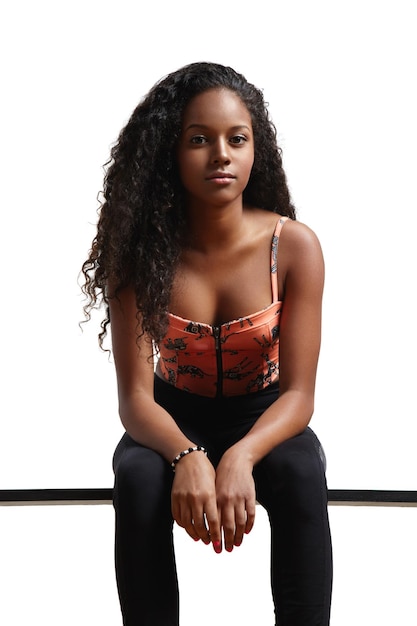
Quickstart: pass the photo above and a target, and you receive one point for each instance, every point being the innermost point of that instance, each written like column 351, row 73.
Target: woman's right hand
column 193, row 499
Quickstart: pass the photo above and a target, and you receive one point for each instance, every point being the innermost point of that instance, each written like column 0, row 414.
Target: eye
column 238, row 139
column 198, row 139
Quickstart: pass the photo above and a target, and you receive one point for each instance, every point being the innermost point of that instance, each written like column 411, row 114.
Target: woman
column 206, row 272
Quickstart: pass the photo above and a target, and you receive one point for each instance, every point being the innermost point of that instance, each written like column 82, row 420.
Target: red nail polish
column 217, row 546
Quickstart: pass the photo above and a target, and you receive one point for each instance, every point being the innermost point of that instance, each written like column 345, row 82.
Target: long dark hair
column 141, row 217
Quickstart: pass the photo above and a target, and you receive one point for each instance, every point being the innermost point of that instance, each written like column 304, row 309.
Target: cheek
column 187, row 169
column 187, row 160
column 249, row 165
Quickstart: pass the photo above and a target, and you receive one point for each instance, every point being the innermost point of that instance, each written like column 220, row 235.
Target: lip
column 221, row 176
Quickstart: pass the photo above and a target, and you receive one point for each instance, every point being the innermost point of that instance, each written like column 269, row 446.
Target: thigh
column 293, row 472
column 291, row 485
column 141, row 476
column 144, row 550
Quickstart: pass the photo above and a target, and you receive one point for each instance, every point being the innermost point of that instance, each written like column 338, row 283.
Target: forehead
column 216, row 106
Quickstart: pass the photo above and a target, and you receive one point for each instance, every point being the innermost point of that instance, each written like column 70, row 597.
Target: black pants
column 290, row 484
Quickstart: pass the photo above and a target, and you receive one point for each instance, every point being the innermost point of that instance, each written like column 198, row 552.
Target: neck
column 214, row 229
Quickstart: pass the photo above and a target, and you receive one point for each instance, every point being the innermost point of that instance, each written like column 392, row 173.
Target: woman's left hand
column 236, row 498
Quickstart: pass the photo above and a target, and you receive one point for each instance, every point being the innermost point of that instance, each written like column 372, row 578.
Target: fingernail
column 217, row 547
column 196, row 538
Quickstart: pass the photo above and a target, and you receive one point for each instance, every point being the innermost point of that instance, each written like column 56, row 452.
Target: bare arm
column 144, row 420
column 193, row 491
column 289, row 415
column 300, row 337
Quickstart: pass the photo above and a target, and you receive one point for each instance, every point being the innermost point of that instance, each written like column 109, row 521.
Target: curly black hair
column 141, row 216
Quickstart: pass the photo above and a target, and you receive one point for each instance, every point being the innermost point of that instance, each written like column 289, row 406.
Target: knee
column 141, row 475
column 304, row 471
column 296, row 466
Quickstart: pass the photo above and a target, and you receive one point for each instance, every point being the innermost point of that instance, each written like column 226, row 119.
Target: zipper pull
column 216, row 335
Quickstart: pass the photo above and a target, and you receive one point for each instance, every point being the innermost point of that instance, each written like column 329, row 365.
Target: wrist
column 239, row 452
column 185, row 452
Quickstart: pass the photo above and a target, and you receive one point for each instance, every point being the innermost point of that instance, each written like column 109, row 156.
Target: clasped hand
column 214, row 505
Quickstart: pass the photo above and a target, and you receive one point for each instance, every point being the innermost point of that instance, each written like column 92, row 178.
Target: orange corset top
column 234, row 358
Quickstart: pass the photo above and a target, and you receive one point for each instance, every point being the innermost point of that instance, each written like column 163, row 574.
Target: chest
column 215, row 289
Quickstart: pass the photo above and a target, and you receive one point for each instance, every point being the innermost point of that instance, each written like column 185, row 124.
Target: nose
column 221, row 154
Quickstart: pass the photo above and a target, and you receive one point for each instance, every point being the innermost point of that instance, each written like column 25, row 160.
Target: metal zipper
column 216, row 335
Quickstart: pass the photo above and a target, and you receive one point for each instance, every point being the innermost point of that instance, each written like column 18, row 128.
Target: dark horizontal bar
column 54, row 495
column 371, row 496
column 336, row 496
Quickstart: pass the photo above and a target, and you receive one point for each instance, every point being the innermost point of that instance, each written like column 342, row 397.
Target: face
column 216, row 148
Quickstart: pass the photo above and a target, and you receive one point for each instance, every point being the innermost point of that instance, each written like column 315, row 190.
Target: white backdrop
column 340, row 80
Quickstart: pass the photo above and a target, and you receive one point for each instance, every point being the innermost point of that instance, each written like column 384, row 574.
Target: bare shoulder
column 300, row 254
column 299, row 234
column 298, row 238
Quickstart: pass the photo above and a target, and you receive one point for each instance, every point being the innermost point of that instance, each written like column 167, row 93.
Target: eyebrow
column 205, row 126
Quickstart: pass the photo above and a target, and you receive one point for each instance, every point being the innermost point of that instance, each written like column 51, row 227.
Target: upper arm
column 133, row 354
column 300, row 329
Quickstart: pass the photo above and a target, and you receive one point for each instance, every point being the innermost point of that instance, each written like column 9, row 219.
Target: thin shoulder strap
column 274, row 258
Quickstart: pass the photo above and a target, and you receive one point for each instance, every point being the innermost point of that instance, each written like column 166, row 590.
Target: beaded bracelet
column 185, row 452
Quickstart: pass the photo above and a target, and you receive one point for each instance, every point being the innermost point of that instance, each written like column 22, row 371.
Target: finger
column 184, row 518
column 229, row 528
column 201, row 528
column 187, row 524
column 213, row 524
column 176, row 513
column 241, row 520
column 189, row 527
column 250, row 516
